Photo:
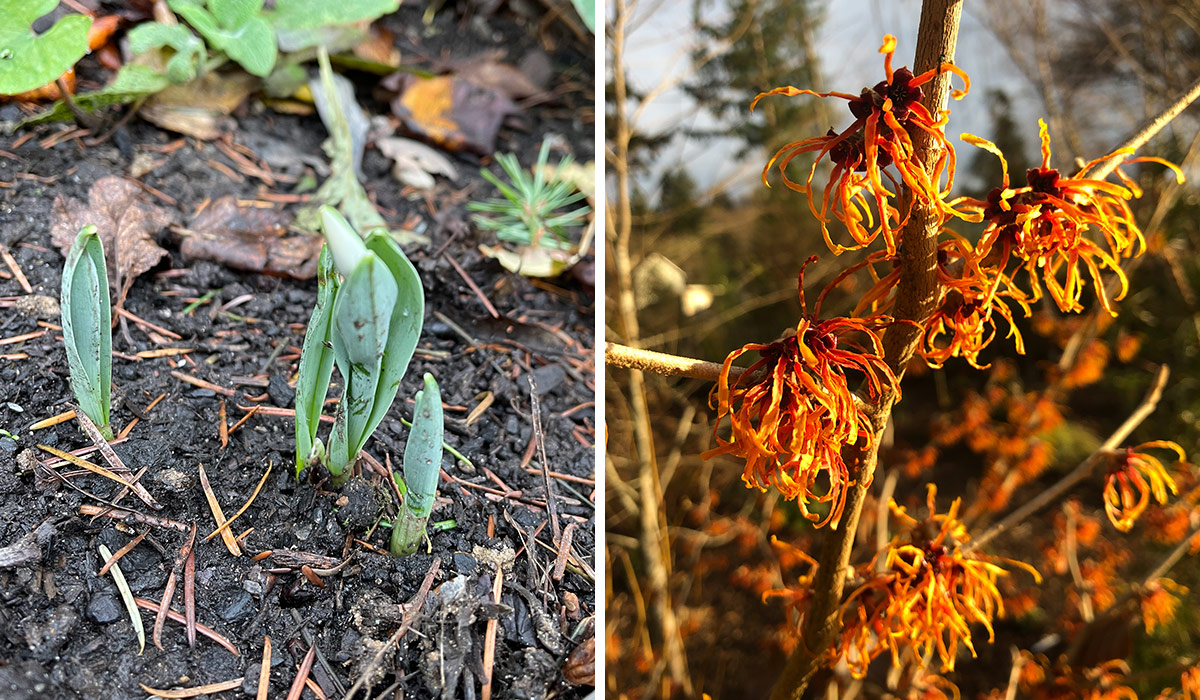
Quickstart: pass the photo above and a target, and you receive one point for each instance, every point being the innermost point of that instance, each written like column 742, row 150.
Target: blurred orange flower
column 1126, row 491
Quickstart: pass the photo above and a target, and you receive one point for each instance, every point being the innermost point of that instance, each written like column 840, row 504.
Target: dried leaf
column 251, row 238
column 455, row 114
column 415, row 163
column 200, row 108
column 490, row 72
column 580, row 667
column 127, row 225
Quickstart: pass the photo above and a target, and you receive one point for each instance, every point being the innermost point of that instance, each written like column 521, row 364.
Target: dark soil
column 64, row 632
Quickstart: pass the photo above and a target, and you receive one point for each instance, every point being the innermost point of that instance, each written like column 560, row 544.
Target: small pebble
column 464, row 563
column 241, row 605
column 104, row 608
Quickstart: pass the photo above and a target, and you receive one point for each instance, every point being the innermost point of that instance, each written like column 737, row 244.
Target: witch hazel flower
column 792, row 412
column 865, row 154
column 1045, row 225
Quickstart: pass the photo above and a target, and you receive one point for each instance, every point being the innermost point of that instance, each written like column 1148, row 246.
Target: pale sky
column 847, row 43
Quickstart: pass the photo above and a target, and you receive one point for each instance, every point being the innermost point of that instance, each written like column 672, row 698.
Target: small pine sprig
column 529, row 214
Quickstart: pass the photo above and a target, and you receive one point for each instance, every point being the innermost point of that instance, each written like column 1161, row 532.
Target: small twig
column 1085, row 467
column 616, row 355
column 1147, row 132
column 140, row 518
column 1014, row 676
column 1085, row 598
column 415, row 605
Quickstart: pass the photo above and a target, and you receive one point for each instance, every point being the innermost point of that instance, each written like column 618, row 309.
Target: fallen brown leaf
column 453, row 113
column 490, row 72
column 200, row 108
column 255, row 239
column 126, row 223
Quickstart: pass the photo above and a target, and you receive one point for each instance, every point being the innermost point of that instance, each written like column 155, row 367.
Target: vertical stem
column 654, row 545
column 916, row 298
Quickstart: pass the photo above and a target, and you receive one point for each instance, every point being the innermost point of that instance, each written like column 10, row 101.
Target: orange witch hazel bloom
column 792, row 411
column 878, row 138
column 923, row 592
column 1126, row 491
column 1043, row 225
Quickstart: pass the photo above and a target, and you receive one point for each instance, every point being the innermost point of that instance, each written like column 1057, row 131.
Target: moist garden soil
column 64, row 632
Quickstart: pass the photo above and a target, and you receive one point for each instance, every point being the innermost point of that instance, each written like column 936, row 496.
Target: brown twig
column 1147, row 132
column 616, row 355
column 131, row 515
column 917, row 294
column 414, row 609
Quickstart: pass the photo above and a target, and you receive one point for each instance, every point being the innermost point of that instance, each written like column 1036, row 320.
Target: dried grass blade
column 218, row 514
column 126, row 595
column 193, row 692
column 245, row 505
column 200, row 627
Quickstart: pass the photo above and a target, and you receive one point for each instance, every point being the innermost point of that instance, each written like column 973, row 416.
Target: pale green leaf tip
column 345, row 244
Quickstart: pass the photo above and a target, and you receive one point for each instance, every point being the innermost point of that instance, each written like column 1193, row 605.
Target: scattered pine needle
column 169, row 591
column 126, row 595
column 197, row 381
column 218, row 514
column 264, row 671
column 81, row 462
column 302, row 675
column 222, row 425
column 244, row 418
column 53, row 420
column 193, row 692
column 162, row 352
column 201, row 628
column 227, row 523
column 122, row 552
